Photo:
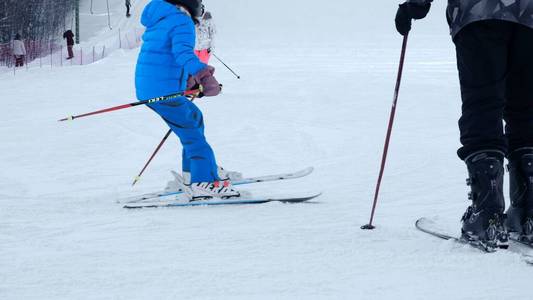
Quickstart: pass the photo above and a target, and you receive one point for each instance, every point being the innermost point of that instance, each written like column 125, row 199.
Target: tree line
column 35, row 20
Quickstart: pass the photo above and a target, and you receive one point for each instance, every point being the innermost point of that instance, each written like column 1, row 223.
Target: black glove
column 407, row 12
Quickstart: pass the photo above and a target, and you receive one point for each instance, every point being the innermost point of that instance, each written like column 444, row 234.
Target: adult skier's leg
column 70, row 52
column 519, row 107
column 520, row 214
column 482, row 59
column 519, row 132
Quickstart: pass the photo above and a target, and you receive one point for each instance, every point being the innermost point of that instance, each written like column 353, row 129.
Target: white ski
column 216, row 201
column 250, row 180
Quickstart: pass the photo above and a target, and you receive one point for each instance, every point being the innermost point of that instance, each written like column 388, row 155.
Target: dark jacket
column 463, row 12
column 70, row 37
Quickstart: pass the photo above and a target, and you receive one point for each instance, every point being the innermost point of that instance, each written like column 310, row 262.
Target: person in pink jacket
column 205, row 34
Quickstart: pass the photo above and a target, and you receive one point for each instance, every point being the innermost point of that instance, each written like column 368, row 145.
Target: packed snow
column 316, row 89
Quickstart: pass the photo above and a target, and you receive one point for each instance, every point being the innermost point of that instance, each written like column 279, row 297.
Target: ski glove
column 407, row 12
column 205, row 78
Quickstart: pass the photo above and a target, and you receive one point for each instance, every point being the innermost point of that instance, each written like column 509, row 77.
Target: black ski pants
column 495, row 63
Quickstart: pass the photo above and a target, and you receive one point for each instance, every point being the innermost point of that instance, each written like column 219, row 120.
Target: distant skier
column 19, row 51
column 69, row 35
column 128, row 5
column 167, row 65
column 205, row 35
column 494, row 45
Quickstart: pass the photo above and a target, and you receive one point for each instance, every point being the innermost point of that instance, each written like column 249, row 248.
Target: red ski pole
column 369, row 226
column 149, row 101
column 138, row 177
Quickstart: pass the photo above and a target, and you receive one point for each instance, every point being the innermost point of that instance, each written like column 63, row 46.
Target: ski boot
column 229, row 175
column 176, row 185
column 519, row 221
column 482, row 223
column 173, row 186
column 204, row 190
column 222, row 174
column 208, row 190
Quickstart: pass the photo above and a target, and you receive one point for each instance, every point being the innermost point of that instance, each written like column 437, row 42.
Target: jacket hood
column 157, row 10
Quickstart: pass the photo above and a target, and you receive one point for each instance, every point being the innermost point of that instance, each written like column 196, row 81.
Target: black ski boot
column 519, row 221
column 483, row 220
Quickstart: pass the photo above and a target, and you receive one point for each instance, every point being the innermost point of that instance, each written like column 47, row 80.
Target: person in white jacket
column 19, row 51
column 205, row 34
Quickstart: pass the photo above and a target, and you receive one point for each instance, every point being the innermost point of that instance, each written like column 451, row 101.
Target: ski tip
column 302, row 199
column 422, row 220
column 305, row 171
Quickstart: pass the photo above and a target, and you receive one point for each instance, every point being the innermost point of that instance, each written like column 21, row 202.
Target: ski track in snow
column 319, row 94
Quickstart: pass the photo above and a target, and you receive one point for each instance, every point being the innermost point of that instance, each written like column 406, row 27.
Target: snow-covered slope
column 316, row 88
column 95, row 25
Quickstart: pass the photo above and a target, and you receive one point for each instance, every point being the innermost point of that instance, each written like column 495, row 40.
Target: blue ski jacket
column 167, row 55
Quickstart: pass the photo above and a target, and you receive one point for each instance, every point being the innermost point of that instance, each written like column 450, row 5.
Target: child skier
column 205, row 34
column 494, row 45
column 167, row 65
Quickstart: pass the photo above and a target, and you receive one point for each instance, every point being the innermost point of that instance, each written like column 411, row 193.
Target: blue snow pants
column 185, row 119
